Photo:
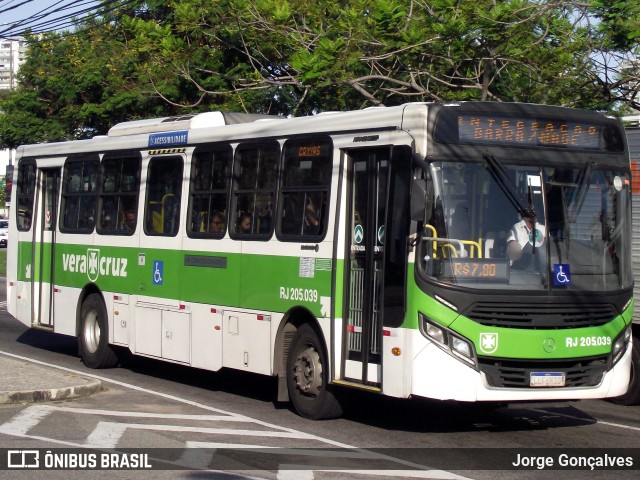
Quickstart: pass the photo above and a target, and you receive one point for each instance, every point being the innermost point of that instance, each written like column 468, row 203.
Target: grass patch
column 3, row 262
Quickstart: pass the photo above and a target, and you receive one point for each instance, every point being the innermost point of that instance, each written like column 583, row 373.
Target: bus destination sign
column 528, row 131
column 309, row 151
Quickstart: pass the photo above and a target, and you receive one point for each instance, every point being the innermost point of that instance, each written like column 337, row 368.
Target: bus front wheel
column 308, row 377
column 93, row 341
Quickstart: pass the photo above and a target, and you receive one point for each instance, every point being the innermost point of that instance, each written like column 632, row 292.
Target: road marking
column 291, row 474
column 599, row 422
column 206, row 451
column 31, row 416
column 25, row 420
column 237, row 416
column 169, row 397
column 118, row 413
column 107, row 434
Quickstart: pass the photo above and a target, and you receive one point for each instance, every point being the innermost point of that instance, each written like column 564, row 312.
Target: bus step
column 346, row 383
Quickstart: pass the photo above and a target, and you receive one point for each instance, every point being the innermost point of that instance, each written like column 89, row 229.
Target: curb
column 50, row 394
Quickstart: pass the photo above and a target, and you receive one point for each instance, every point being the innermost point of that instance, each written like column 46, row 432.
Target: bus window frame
column 65, row 194
column 322, row 189
column 217, row 148
column 177, row 195
column 119, row 155
column 30, row 195
column 236, row 192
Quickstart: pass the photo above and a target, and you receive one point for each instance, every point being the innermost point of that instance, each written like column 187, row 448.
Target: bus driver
column 521, row 240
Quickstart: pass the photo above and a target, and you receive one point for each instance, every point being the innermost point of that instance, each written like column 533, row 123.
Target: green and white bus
column 369, row 249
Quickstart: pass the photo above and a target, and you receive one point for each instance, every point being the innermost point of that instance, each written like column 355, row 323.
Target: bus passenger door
column 376, row 258
column 44, row 232
column 366, row 210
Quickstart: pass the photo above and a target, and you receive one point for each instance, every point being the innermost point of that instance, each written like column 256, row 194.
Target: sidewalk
column 22, row 381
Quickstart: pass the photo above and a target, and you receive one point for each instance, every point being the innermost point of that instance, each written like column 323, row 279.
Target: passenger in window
column 106, row 222
column 264, row 218
column 311, row 221
column 129, row 221
column 87, row 220
column 217, row 223
column 243, row 224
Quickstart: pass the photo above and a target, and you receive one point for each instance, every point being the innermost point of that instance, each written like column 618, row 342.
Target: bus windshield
column 498, row 225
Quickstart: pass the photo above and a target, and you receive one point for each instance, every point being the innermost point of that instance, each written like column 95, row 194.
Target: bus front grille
column 504, row 373
column 541, row 315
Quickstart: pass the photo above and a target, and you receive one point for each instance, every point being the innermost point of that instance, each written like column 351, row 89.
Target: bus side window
column 209, row 191
column 25, row 194
column 306, row 182
column 79, row 194
column 119, row 188
column 163, row 196
column 254, row 191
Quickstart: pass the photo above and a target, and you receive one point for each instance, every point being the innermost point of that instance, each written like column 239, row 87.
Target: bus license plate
column 547, row 379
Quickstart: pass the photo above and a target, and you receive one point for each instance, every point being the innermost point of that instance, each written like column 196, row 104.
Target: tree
column 311, row 56
column 74, row 87
column 284, row 57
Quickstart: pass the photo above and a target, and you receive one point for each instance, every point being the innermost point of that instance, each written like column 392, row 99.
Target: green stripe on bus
column 262, row 282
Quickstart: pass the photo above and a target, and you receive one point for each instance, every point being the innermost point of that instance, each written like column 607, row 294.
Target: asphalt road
column 186, row 415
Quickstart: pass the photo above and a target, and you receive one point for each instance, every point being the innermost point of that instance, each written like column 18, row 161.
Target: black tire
column 307, row 377
column 93, row 337
column 632, row 397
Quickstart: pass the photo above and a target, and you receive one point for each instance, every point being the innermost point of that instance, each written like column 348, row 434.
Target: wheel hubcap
column 91, row 331
column 308, row 372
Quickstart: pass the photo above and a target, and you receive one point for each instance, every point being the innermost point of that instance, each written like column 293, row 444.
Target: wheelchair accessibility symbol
column 158, row 272
column 561, row 275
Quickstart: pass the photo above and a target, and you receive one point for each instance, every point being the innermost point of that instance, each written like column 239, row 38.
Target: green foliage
column 619, row 25
column 161, row 57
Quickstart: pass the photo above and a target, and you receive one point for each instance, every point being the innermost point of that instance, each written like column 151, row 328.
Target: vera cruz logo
column 93, row 254
column 94, row 264
column 488, row 342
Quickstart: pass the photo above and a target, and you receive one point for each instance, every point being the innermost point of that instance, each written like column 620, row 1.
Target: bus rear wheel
column 308, row 377
column 93, row 340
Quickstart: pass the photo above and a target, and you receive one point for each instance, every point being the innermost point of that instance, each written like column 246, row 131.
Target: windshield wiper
column 500, row 175
column 582, row 187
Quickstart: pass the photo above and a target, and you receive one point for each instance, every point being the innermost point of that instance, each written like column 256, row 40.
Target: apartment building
column 12, row 55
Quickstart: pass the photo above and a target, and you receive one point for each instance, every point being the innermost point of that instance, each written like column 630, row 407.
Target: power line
column 35, row 21
column 61, row 15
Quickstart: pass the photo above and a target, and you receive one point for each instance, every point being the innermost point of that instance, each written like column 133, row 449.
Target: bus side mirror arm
column 421, row 201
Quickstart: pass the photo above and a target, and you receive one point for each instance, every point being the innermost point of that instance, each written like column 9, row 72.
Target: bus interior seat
column 495, row 245
column 171, row 212
column 200, row 223
column 291, row 216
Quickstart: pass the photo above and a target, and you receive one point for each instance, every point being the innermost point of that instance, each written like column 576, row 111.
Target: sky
column 15, row 15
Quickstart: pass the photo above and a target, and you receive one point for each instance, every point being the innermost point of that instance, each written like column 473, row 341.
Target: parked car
column 4, row 233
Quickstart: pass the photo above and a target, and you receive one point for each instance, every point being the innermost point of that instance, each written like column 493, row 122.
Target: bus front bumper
column 438, row 375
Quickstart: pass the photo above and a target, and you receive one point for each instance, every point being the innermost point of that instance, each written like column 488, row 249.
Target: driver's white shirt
column 520, row 232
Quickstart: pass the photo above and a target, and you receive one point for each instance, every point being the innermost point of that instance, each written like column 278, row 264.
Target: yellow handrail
column 475, row 247
column 434, row 234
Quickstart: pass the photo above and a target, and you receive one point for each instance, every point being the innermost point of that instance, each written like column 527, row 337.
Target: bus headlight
column 461, row 347
column 436, row 333
column 448, row 340
column 620, row 345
